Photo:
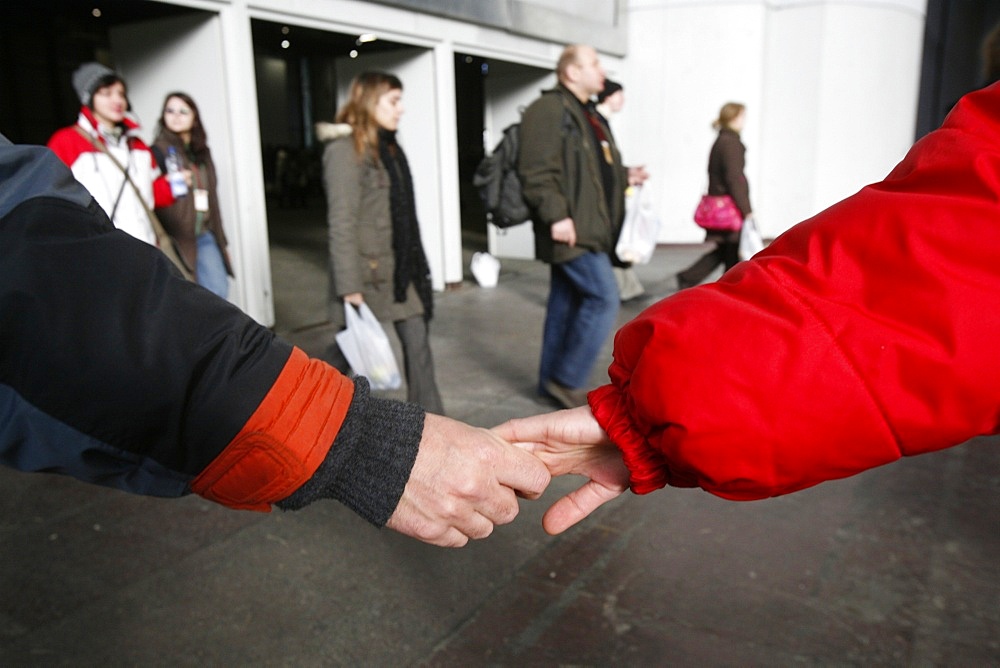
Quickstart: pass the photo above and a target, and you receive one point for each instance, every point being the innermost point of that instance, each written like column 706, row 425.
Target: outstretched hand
column 571, row 442
column 464, row 481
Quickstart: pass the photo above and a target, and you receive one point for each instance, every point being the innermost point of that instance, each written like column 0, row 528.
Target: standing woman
column 376, row 255
column 194, row 220
column 106, row 154
column 725, row 177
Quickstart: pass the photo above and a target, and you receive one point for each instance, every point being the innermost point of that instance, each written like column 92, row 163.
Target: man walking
column 574, row 184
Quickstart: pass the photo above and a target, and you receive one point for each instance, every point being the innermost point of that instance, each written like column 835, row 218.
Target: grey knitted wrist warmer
column 370, row 460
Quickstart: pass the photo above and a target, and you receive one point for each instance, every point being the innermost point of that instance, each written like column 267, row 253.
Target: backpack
column 498, row 183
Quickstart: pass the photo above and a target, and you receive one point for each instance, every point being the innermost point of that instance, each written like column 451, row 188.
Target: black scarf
column 411, row 263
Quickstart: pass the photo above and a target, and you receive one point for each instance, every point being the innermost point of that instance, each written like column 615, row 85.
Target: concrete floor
column 895, row 567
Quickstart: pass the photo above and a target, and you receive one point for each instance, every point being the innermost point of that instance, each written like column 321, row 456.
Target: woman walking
column 725, row 177
column 376, row 256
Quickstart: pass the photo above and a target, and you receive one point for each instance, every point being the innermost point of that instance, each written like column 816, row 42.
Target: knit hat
column 85, row 80
column 610, row 88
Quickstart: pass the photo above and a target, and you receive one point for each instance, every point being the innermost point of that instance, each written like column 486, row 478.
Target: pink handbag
column 718, row 212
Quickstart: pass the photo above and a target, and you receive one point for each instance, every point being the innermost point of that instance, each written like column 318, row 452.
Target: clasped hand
column 466, row 480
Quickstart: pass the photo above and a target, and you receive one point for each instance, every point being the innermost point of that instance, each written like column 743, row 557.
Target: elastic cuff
column 647, row 468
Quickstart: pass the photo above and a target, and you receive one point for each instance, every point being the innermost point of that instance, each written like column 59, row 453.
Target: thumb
column 576, row 506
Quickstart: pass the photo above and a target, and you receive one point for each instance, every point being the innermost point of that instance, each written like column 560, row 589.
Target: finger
column 478, row 526
column 507, row 431
column 577, row 505
column 528, row 430
column 450, row 538
column 519, row 470
column 500, row 507
column 455, row 532
column 424, row 529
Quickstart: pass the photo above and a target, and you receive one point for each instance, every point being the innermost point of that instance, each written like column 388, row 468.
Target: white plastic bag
column 751, row 241
column 637, row 240
column 486, row 269
column 367, row 348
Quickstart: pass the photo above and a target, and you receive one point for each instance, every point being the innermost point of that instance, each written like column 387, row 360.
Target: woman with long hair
column 725, row 177
column 376, row 255
column 194, row 219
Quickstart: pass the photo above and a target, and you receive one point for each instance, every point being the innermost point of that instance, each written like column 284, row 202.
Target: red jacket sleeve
column 67, row 144
column 863, row 334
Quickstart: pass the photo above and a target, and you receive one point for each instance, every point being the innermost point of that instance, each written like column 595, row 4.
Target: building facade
column 831, row 86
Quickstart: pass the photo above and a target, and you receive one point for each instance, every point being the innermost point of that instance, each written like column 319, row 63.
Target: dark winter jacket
column 561, row 178
column 117, row 371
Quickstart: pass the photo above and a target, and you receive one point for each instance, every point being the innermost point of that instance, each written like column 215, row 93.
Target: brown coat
column 179, row 218
column 725, row 170
column 360, row 230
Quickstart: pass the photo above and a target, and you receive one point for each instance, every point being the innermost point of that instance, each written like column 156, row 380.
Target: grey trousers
column 418, row 363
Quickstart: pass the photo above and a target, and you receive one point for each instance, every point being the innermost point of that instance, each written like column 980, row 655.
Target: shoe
column 567, row 397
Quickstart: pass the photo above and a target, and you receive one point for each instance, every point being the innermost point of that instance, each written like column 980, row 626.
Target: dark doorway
column 952, row 64
column 469, row 101
column 296, row 87
column 42, row 43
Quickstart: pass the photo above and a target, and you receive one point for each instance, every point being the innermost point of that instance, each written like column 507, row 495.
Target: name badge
column 606, row 148
column 200, row 200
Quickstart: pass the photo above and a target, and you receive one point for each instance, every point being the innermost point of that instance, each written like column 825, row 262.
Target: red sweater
column 863, row 334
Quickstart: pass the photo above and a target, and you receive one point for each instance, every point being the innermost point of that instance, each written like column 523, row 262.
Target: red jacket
column 865, row 333
column 104, row 179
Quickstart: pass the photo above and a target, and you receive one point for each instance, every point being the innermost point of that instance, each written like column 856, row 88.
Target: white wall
column 831, row 89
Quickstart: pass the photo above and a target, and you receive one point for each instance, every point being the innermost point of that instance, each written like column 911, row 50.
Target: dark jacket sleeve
column 115, row 370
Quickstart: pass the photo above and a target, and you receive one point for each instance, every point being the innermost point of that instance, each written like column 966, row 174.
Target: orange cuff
column 284, row 441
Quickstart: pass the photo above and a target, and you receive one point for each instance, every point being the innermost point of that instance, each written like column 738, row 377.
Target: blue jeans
column 211, row 269
column 582, row 308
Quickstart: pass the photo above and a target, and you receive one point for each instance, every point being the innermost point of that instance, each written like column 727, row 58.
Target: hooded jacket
column 104, row 179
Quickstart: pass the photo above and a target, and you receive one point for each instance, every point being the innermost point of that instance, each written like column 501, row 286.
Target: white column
column 449, row 238
column 253, row 271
